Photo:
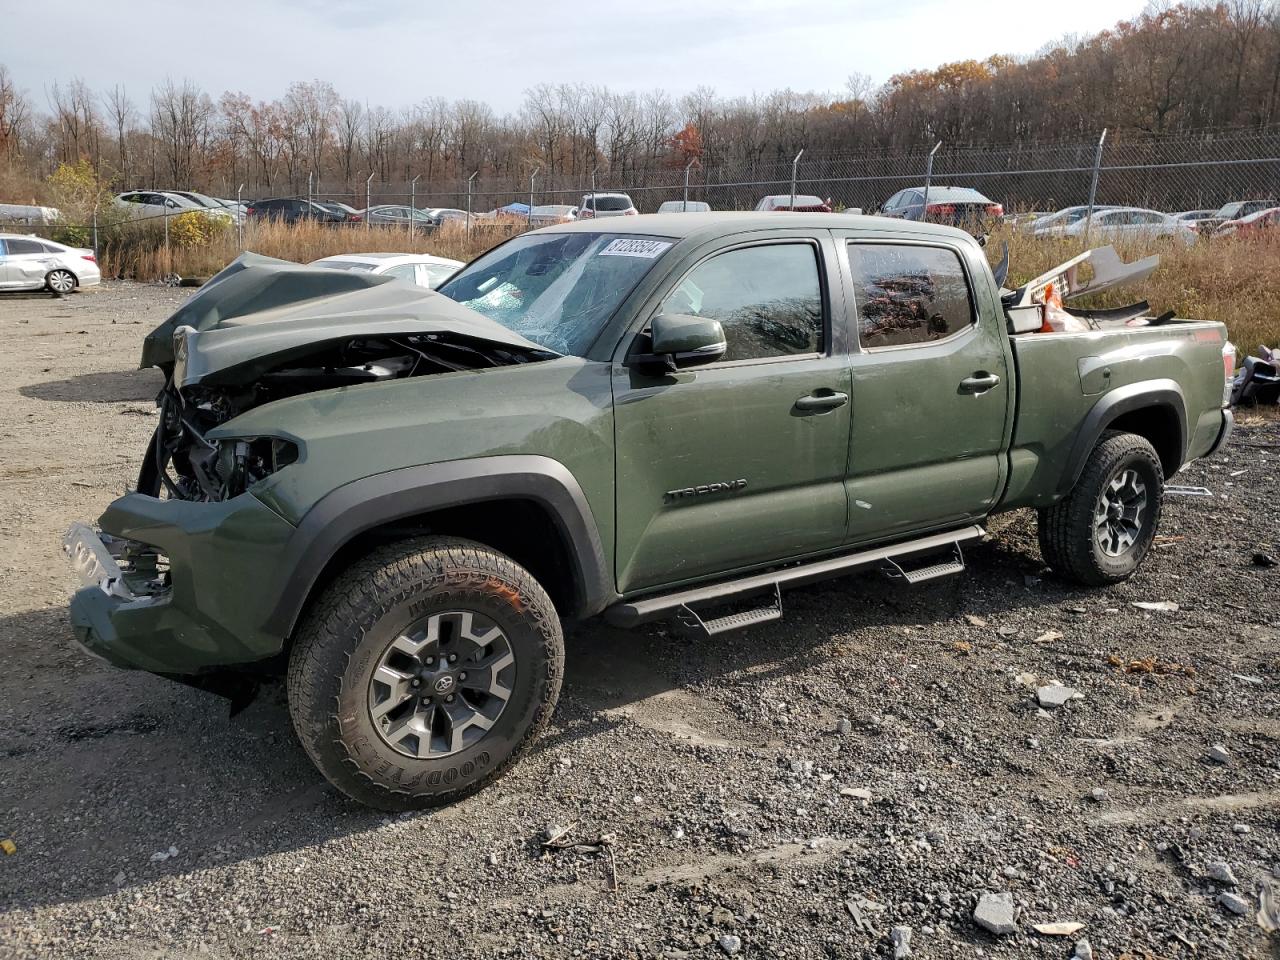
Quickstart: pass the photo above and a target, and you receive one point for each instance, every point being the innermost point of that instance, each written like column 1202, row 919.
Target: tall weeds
column 1235, row 281
column 138, row 250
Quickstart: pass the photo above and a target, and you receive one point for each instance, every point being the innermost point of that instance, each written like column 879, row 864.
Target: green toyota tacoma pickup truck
column 396, row 496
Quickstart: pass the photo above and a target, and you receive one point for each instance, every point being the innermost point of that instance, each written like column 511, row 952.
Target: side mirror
column 681, row 340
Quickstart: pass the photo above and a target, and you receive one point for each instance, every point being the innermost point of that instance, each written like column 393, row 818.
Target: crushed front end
column 182, row 576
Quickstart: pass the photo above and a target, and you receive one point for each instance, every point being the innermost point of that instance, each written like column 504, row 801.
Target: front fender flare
column 397, row 494
column 1162, row 393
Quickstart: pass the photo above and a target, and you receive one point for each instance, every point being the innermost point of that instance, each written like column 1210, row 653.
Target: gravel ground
column 876, row 760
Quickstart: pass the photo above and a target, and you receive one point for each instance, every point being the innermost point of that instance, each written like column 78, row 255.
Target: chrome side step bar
column 629, row 613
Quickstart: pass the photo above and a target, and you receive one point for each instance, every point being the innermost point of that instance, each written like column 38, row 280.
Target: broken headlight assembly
column 182, row 463
column 216, row 470
column 230, row 466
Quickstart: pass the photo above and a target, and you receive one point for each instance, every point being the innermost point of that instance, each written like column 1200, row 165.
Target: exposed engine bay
column 182, row 463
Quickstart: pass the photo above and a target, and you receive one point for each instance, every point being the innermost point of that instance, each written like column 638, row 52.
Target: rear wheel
column 424, row 672
column 60, row 282
column 1102, row 530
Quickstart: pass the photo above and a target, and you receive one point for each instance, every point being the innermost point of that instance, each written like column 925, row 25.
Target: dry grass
column 139, row 252
column 1234, row 281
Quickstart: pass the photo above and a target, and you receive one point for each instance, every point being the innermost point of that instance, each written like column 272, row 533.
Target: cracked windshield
column 557, row 289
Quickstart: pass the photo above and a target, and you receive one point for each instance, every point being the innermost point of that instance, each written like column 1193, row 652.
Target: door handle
column 980, row 382
column 822, row 401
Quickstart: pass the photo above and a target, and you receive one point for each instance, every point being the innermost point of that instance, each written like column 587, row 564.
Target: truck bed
column 1171, row 373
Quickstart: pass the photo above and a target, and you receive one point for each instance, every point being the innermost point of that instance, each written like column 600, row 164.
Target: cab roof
column 679, row 226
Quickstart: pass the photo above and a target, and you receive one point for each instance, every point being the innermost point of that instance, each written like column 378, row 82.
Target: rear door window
column 19, row 247
column 907, row 294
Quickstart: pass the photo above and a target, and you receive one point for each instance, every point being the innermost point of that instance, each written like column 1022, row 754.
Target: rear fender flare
column 383, row 498
column 1162, row 393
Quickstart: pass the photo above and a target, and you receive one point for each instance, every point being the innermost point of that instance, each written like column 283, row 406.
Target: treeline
column 1174, row 69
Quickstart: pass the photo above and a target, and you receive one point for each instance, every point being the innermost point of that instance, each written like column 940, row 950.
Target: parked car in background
column 1257, row 222
column 212, row 203
column 294, row 210
column 1201, row 221
column 800, row 203
column 1238, row 209
column 400, row 215
column 443, row 215
column 420, row 268
column 349, row 213
column 1131, row 223
column 145, row 204
column 958, row 206
column 1054, row 223
column 33, row 263
column 514, row 212
column 685, row 206
column 549, row 214
column 26, row 213
column 1023, row 220
column 606, row 205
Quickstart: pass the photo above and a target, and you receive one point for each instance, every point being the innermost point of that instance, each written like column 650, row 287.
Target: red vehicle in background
column 1260, row 221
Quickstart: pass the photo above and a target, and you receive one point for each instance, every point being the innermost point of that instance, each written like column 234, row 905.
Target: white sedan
column 32, row 263
column 1130, row 223
column 420, row 268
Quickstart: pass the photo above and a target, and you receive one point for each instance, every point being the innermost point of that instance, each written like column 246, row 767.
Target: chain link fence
column 1169, row 174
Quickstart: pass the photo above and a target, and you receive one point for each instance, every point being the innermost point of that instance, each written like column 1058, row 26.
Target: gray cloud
column 397, row 52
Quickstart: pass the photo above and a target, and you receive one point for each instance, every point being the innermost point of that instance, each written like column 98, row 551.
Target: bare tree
column 14, row 114
column 349, row 125
column 122, row 113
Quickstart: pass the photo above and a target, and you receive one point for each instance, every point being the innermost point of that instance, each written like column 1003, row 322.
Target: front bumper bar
column 225, row 579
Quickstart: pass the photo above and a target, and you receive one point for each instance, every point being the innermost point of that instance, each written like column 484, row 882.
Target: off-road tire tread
column 1066, row 529
column 333, row 627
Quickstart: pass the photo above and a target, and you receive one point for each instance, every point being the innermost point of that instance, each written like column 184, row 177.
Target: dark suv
column 957, row 206
column 291, row 210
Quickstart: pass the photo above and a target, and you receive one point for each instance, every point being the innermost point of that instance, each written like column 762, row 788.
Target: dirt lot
column 740, row 812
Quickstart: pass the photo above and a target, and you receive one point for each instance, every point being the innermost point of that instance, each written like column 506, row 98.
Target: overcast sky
column 398, row 52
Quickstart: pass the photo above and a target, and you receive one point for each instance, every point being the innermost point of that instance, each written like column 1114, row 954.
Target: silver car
column 234, row 210
column 606, row 205
column 420, row 268
column 32, row 263
column 1130, row 223
column 145, row 204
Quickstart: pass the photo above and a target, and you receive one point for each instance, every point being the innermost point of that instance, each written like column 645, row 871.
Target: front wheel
column 424, row 672
column 60, row 282
column 1102, row 530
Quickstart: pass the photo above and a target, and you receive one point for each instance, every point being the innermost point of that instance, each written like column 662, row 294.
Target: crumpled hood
column 259, row 312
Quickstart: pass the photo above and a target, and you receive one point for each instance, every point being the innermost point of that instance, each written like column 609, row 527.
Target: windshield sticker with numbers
column 648, row 249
